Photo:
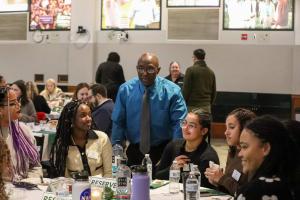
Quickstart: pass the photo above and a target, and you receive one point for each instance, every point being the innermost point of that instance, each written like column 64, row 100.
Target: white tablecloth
column 161, row 193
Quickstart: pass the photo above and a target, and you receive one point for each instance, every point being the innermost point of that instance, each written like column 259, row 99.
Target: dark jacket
column 41, row 104
column 199, row 87
column 102, row 116
column 111, row 75
column 201, row 157
column 178, row 81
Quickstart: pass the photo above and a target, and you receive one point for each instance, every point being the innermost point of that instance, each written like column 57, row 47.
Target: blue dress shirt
column 167, row 108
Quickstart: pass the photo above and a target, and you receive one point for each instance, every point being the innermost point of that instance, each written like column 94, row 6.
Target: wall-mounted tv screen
column 131, row 14
column 50, row 15
column 193, row 3
column 258, row 14
column 13, row 5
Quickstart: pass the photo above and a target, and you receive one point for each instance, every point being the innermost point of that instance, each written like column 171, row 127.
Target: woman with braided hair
column 18, row 137
column 77, row 147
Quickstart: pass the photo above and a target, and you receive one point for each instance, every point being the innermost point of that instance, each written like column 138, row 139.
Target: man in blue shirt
column 167, row 109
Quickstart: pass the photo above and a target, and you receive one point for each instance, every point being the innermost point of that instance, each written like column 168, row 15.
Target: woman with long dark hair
column 267, row 154
column 28, row 113
column 227, row 181
column 192, row 148
column 77, row 147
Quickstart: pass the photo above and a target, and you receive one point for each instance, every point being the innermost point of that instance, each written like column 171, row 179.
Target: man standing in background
column 199, row 86
column 111, row 75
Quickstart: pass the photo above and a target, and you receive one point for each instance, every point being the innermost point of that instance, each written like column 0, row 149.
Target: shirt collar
column 150, row 88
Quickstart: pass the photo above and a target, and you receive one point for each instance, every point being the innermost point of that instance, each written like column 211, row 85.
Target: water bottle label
column 149, row 167
column 191, row 187
column 174, row 173
column 86, row 194
column 122, row 181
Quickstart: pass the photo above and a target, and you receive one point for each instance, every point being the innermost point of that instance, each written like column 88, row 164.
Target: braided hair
column 60, row 148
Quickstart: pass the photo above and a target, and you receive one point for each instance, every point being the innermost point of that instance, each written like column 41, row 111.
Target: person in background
column 175, row 75
column 199, row 86
column 40, row 103
column 82, row 92
column 52, row 93
column 111, row 75
column 233, row 177
column 267, row 155
column 2, row 81
column 77, row 147
column 19, row 138
column 102, row 108
column 28, row 113
column 192, row 148
column 293, row 128
column 166, row 109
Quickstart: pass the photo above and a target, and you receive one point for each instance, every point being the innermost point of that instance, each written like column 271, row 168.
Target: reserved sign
column 49, row 196
column 103, row 182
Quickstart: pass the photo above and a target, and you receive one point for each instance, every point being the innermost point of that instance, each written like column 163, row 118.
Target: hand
column 213, row 175
column 181, row 160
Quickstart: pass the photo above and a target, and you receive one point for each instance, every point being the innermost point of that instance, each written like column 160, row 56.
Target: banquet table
column 161, row 193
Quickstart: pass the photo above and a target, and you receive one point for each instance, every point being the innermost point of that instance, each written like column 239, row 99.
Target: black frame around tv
column 13, row 6
column 193, row 3
column 50, row 17
column 248, row 15
column 131, row 15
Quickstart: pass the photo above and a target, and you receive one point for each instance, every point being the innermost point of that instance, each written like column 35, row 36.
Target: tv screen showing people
column 131, row 14
column 258, row 14
column 50, row 15
column 193, row 3
column 13, row 5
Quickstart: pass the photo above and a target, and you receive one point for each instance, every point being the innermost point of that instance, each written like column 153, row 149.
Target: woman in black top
column 39, row 101
column 267, row 155
column 192, row 149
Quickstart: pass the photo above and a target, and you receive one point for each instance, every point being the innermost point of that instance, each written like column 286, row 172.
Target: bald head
column 149, row 58
column 148, row 68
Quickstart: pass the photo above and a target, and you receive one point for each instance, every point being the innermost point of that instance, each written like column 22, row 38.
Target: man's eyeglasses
column 149, row 70
column 184, row 124
column 11, row 104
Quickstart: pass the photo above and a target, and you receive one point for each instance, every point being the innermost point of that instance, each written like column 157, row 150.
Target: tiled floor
column 221, row 147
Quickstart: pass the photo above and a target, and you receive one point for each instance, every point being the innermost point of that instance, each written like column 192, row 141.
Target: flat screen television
column 131, row 14
column 258, row 15
column 193, row 3
column 13, row 5
column 50, row 15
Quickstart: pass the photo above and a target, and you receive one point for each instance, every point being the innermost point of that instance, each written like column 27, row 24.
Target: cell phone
column 26, row 185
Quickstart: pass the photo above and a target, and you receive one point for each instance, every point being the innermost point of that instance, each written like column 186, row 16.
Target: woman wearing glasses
column 192, row 149
column 19, row 138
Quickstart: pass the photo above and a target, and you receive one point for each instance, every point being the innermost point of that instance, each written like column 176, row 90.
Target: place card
column 103, row 182
column 49, row 196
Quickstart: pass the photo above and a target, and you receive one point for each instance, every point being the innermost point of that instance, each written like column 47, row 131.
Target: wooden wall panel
column 193, row 24
column 13, row 26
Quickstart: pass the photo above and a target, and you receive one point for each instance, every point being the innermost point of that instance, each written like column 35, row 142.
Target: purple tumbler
column 140, row 183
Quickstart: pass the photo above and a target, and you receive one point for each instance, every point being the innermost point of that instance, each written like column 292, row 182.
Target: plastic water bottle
column 148, row 163
column 192, row 187
column 174, row 178
column 123, row 181
column 81, row 189
column 197, row 173
column 117, row 155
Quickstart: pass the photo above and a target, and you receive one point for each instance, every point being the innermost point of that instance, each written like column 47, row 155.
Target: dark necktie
column 145, row 125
